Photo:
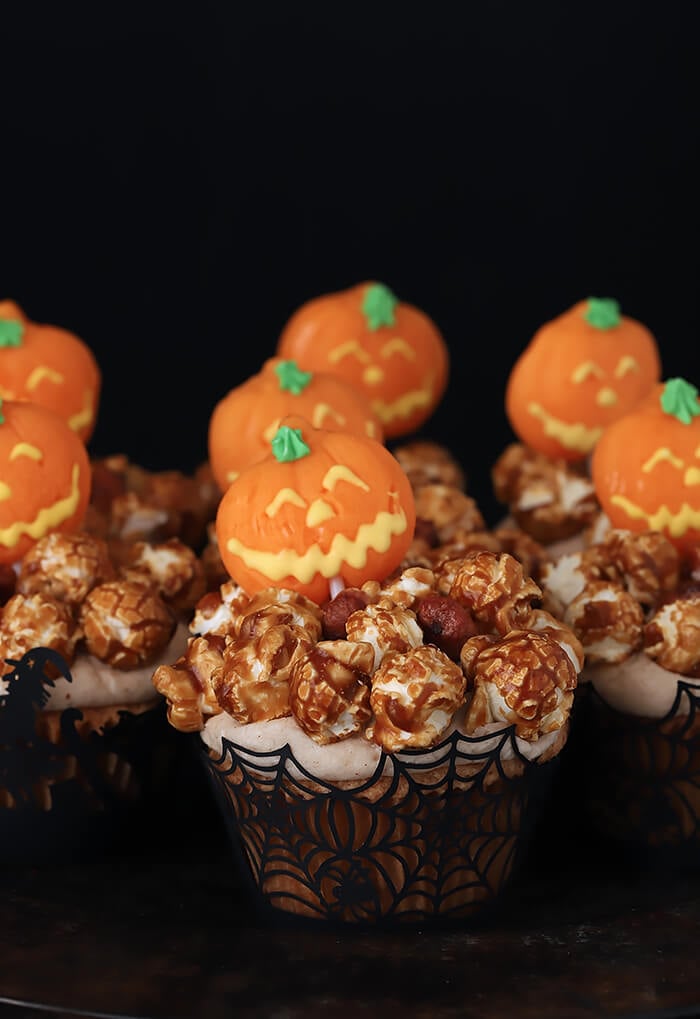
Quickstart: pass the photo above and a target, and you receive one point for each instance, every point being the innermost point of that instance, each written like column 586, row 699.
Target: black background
column 176, row 181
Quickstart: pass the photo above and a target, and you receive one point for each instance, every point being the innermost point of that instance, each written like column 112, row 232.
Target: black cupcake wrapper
column 83, row 790
column 436, row 839
column 636, row 781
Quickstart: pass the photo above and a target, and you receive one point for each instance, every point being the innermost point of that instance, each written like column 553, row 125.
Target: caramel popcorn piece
column 494, row 589
column 253, row 685
column 428, row 463
column 172, row 567
column 65, row 567
column 220, row 612
column 648, row 562
column 548, row 498
column 448, row 509
column 406, row 590
column 33, row 620
column 524, row 679
column 607, row 620
column 414, row 697
column 280, row 607
column 544, row 622
column 565, row 579
column 524, row 548
column 133, row 519
column 189, row 685
column 329, row 690
column 387, row 628
column 125, row 623
column 672, row 635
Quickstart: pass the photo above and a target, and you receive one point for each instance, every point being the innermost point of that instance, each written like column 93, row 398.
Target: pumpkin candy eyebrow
column 625, row 365
column 338, row 473
column 346, row 349
column 26, row 449
column 284, row 496
column 584, row 370
column 398, row 346
column 40, row 373
column 662, row 455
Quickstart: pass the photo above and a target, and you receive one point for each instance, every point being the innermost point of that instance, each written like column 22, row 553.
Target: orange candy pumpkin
column 646, row 466
column 391, row 351
column 322, row 507
column 579, row 373
column 50, row 366
column 246, row 420
column 44, row 478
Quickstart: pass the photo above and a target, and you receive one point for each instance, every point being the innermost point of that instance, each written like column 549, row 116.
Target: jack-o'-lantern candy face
column 323, row 508
column 44, row 477
column 391, row 351
column 580, row 373
column 49, row 366
column 246, row 420
column 646, row 466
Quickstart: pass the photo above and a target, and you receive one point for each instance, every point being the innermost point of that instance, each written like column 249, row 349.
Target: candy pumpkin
column 322, row 509
column 50, row 366
column 646, row 466
column 579, row 373
column 245, row 421
column 391, row 351
column 45, row 477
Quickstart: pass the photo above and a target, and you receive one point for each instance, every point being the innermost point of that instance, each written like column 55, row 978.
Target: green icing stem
column 680, row 400
column 288, row 445
column 602, row 312
column 292, row 378
column 378, row 306
column 11, row 332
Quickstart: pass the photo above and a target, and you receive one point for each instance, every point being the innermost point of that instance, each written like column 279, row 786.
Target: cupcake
column 79, row 637
column 579, row 373
column 379, row 739
column 633, row 599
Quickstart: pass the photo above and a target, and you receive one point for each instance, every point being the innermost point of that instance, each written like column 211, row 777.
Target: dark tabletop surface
column 166, row 929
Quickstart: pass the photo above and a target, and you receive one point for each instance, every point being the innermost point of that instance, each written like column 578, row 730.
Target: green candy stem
column 680, row 400
column 2, row 416
column 292, row 378
column 378, row 306
column 288, row 445
column 603, row 313
column 11, row 332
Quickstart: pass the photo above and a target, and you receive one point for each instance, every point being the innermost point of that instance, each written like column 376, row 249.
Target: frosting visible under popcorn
column 351, row 760
column 95, row 684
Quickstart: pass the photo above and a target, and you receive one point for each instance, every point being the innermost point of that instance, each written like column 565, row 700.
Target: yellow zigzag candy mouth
column 47, row 518
column 676, row 524
column 375, row 536
column 576, row 436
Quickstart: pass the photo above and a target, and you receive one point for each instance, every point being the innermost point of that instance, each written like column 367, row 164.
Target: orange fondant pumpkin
column 579, row 373
column 246, row 420
column 44, row 477
column 646, row 466
column 50, row 366
column 390, row 351
column 323, row 506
